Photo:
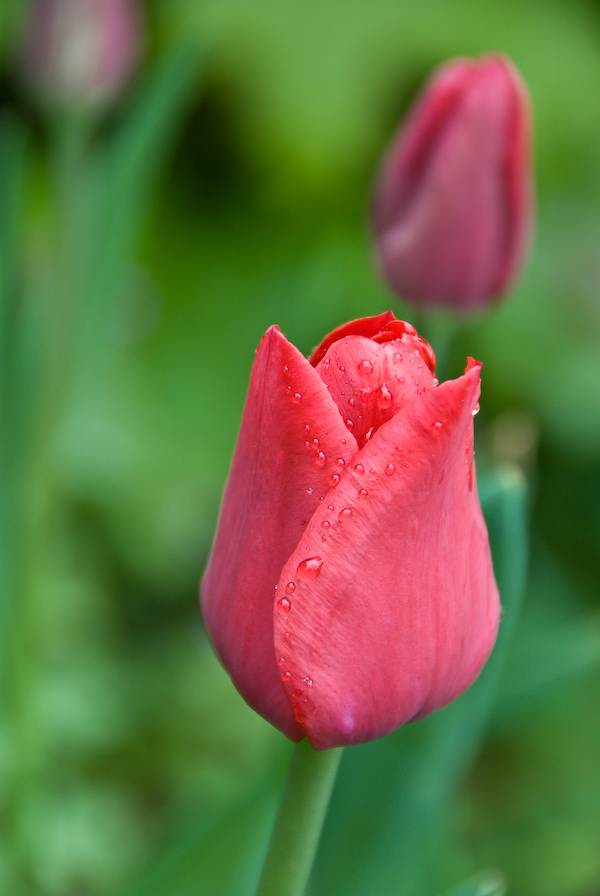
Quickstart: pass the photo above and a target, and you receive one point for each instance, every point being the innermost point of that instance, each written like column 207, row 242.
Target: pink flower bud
column 453, row 204
column 82, row 51
column 350, row 587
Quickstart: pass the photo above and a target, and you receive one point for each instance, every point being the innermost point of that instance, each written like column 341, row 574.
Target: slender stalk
column 299, row 822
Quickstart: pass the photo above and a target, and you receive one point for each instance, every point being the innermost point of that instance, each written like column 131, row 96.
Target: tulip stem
column 298, row 825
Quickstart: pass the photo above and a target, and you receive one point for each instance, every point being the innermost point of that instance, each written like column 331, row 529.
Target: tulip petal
column 292, row 441
column 453, row 205
column 394, row 614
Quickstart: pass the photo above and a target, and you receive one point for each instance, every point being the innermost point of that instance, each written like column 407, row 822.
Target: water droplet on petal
column 437, row 425
column 365, row 366
column 296, row 397
column 384, row 396
column 351, row 402
column 401, row 380
column 334, row 480
column 397, row 358
column 306, row 428
column 308, row 682
column 320, row 459
column 349, row 424
column 363, row 492
column 285, row 368
column 287, row 675
column 476, row 409
column 300, row 717
column 309, row 490
column 289, row 588
column 309, row 569
column 284, row 605
column 369, row 433
column 325, row 524
column 435, row 381
column 330, row 508
column 287, row 636
column 315, row 443
column 390, row 469
column 359, row 469
column 344, row 514
column 340, row 462
column 281, row 661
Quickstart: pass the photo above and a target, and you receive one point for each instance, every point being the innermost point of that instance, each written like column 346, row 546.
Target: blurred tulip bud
column 453, row 204
column 81, row 51
column 350, row 586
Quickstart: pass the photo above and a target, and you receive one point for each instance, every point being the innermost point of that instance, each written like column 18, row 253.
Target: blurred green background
column 143, row 254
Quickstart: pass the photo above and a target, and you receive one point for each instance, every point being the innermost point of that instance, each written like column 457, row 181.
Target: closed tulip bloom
column 350, row 587
column 453, row 203
column 82, row 51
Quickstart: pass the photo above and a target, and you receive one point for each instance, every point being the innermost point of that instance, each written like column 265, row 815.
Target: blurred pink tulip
column 350, row 587
column 82, row 51
column 453, row 203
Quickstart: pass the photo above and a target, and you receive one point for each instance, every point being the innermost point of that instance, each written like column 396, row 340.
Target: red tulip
column 453, row 204
column 350, row 587
column 82, row 51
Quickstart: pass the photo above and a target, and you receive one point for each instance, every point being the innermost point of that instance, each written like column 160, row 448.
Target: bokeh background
column 145, row 246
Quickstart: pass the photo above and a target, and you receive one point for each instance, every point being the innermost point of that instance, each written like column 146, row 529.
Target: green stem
column 299, row 822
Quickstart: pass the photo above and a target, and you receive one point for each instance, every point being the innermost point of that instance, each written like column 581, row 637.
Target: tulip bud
column 350, row 586
column 453, row 203
column 81, row 51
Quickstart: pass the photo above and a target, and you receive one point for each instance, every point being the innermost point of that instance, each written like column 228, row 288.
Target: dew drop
column 309, row 490
column 369, row 433
column 308, row 682
column 296, row 397
column 344, row 514
column 306, row 429
column 284, row 605
column 299, row 714
column 309, row 569
column 307, row 444
column 287, row 675
column 411, row 449
column 342, row 369
column 351, row 402
column 323, row 538
column 365, row 366
column 400, row 448
column 437, row 425
column 343, row 442
column 476, row 409
column 287, row 636
column 384, row 397
column 315, row 443
column 289, row 589
column 365, row 394
column 359, row 469
column 401, row 380
column 363, row 492
column 320, row 459
column 435, row 381
column 390, row 469
column 281, row 661
column 285, row 368
column 397, row 358
column 330, row 508
column 325, row 524
column 334, row 480
column 340, row 462
column 349, row 425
